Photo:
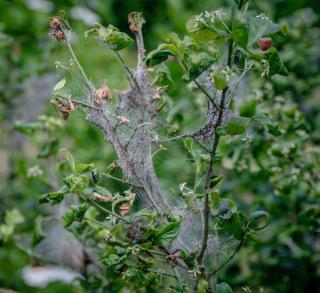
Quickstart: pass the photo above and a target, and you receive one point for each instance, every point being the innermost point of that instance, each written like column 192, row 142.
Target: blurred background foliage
column 282, row 177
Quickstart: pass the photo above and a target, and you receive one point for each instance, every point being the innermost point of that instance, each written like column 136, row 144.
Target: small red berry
column 264, row 43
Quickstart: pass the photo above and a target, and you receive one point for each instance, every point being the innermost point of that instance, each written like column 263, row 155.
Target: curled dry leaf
column 102, row 94
column 135, row 20
column 63, row 108
column 55, row 22
column 56, row 25
column 124, row 209
column 159, row 91
column 102, row 198
column 59, row 35
column 122, row 120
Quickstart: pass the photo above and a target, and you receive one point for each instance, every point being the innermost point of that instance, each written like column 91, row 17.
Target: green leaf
column 76, row 214
column 38, row 234
column 226, row 207
column 240, row 31
column 168, row 233
column 215, row 181
column 6, row 231
column 60, row 85
column 221, row 78
column 95, row 176
column 259, row 220
column 188, row 258
column 260, row 26
column 203, row 286
column 83, row 168
column 77, row 183
column 248, row 108
column 276, row 66
column 114, row 38
column 199, row 63
column 214, row 198
column 27, row 128
column 233, row 226
column 160, row 54
column 11, row 220
column 54, row 197
column 49, row 149
column 273, row 127
column 163, row 76
column 13, row 217
column 204, row 30
column 237, row 125
column 70, row 159
column 224, row 288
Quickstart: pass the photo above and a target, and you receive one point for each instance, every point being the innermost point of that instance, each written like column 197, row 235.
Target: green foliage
column 221, row 78
column 11, row 220
column 267, row 157
column 198, row 64
column 168, row 233
column 76, row 214
column 276, row 66
column 237, row 126
column 115, row 39
column 160, row 54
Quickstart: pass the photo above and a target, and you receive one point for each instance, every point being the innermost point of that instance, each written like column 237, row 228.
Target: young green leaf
column 76, row 214
column 83, row 168
column 240, row 31
column 237, row 125
column 199, row 63
column 207, row 28
column 221, row 78
column 160, row 54
column 168, row 233
column 259, row 220
column 224, row 288
column 203, row 286
column 60, row 85
column 110, row 35
column 54, row 197
column 276, row 65
column 27, row 128
column 49, row 149
column 248, row 108
column 233, row 226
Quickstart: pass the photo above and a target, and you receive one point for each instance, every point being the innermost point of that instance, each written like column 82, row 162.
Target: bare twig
column 206, row 209
column 74, row 57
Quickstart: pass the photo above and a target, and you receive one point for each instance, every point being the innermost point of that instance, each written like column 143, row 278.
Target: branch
column 126, row 67
column 136, row 21
column 206, row 209
column 207, row 95
column 78, row 102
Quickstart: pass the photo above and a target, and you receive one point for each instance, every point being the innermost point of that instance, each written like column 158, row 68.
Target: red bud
column 264, row 43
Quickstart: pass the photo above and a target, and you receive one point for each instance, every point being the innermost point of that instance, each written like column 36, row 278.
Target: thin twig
column 101, row 208
column 126, row 67
column 77, row 102
column 207, row 94
column 206, row 209
column 184, row 65
column 153, row 271
column 120, row 180
column 74, row 57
